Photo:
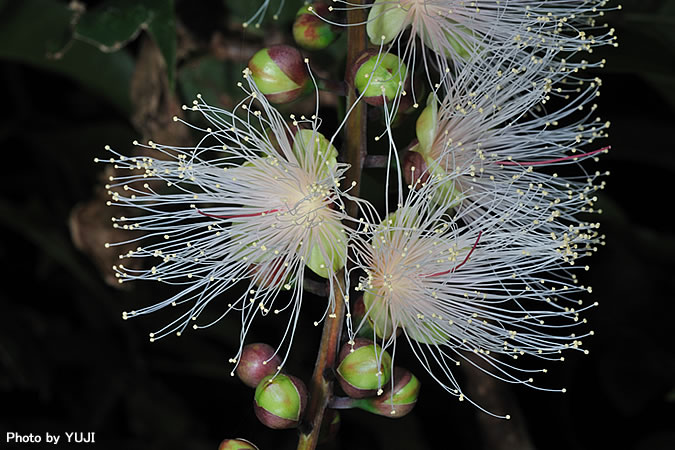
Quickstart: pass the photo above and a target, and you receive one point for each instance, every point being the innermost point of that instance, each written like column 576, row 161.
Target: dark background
column 69, row 363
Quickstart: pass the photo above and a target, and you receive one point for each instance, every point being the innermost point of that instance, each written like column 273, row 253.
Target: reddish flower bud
column 257, row 361
column 310, row 31
column 364, row 368
column 280, row 400
column 280, row 73
column 236, row 444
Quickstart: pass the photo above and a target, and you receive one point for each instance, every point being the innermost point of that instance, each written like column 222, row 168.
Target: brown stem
column 321, row 386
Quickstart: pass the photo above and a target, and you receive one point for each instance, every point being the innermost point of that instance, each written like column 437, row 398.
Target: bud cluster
column 365, row 374
column 279, row 399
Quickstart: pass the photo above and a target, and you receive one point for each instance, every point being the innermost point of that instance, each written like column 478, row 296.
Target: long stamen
column 475, row 244
column 551, row 161
column 237, row 216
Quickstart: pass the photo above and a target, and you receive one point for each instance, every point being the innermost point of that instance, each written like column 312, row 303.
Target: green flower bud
column 364, row 368
column 256, row 362
column 280, row 400
column 236, row 444
column 280, row 73
column 310, row 31
column 379, row 77
column 396, row 401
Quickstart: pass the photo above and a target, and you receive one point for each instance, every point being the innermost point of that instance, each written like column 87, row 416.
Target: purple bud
column 280, row 73
column 256, row 362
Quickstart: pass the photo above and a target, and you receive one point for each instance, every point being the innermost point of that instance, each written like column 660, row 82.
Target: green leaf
column 30, row 29
column 115, row 23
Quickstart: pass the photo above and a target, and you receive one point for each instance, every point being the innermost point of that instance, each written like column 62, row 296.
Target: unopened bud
column 280, row 400
column 237, row 444
column 379, row 77
column 396, row 401
column 256, row 362
column 364, row 368
column 310, row 31
column 280, row 73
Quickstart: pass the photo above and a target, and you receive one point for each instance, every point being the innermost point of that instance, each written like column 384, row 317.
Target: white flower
column 492, row 291
column 502, row 134
column 452, row 31
column 255, row 201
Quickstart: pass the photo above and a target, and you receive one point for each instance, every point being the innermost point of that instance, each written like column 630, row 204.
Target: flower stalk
column 321, row 386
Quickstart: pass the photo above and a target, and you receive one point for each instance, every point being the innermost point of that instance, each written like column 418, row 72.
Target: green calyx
column 427, row 125
column 313, row 149
column 426, row 331
column 386, row 20
column 328, row 253
column 459, row 45
column 426, row 129
column 378, row 315
column 382, row 75
column 279, row 396
column 362, row 370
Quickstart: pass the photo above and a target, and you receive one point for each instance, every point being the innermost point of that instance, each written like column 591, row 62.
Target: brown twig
column 321, row 386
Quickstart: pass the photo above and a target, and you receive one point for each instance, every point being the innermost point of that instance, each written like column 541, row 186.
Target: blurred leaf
column 30, row 28
column 210, row 77
column 114, row 24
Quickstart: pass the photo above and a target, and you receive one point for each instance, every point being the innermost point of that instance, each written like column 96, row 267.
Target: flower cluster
column 477, row 262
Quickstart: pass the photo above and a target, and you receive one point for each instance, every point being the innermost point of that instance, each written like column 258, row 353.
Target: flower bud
column 397, row 401
column 379, row 77
column 257, row 361
column 280, row 400
column 236, row 444
column 363, row 369
column 280, row 73
column 310, row 31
